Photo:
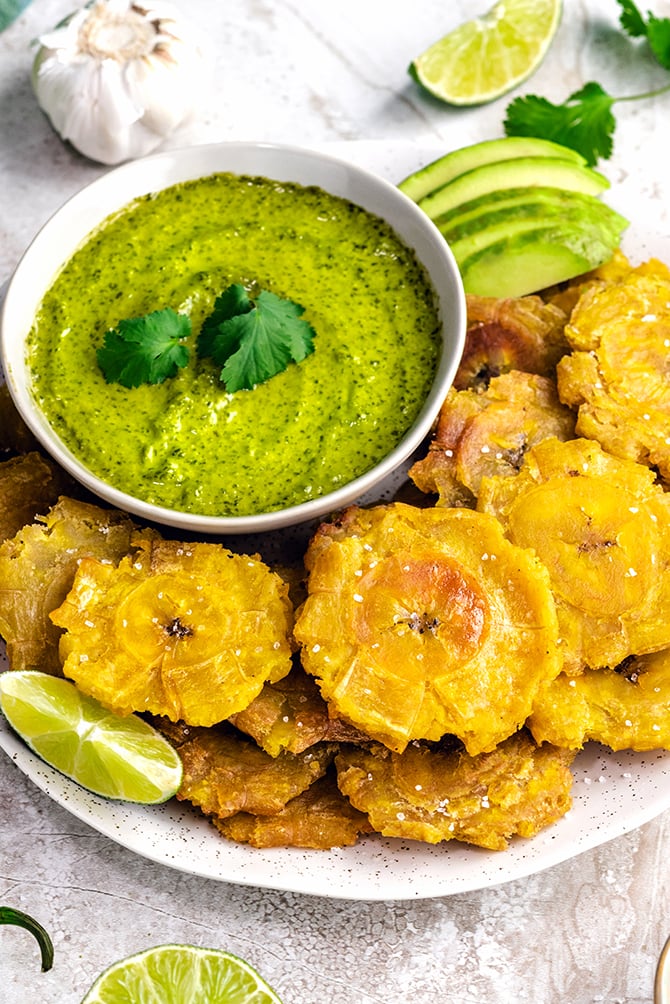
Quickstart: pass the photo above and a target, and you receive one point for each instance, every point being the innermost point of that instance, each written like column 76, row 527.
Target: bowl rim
column 118, row 187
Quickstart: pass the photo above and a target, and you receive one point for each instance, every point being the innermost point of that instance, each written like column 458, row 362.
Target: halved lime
column 489, row 55
column 118, row 757
column 181, row 974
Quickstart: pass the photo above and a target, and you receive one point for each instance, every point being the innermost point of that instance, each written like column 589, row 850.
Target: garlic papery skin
column 116, row 78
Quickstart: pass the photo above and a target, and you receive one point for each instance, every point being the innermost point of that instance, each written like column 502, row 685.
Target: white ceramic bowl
column 71, row 224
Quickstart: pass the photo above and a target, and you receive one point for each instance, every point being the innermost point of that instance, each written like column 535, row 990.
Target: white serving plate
column 613, row 793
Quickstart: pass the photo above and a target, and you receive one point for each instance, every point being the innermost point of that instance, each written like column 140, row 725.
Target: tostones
column 320, row 818
column 601, row 526
column 29, row 485
column 516, row 333
column 226, row 773
column 423, row 622
column 190, row 631
column 617, row 375
column 37, row 569
column 627, row 707
column 431, row 795
column 292, row 715
column 482, row 434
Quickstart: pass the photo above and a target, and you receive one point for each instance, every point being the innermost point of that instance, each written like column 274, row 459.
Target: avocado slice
column 443, row 170
column 532, row 260
column 570, row 224
column 511, row 203
column 550, row 172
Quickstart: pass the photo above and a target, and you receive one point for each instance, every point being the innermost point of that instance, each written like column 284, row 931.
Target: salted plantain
column 226, row 773
column 423, row 622
column 37, row 569
column 482, row 434
column 292, row 715
column 617, row 375
column 601, row 526
column 627, row 707
column 423, row 794
column 320, row 818
column 190, row 631
column 521, row 333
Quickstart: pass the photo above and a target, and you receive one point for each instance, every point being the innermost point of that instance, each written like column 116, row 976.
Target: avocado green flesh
column 520, row 172
column 530, row 262
column 443, row 170
column 540, row 204
column 188, row 444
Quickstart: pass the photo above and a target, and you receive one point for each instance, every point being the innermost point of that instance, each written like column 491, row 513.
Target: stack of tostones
column 601, row 527
column 617, row 375
column 426, row 622
column 187, row 631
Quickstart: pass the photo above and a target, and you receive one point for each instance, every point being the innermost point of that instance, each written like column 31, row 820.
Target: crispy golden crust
column 421, row 794
column 226, row 773
column 601, row 527
column 617, row 375
column 37, row 569
column 522, row 333
column 624, row 708
column 423, row 622
column 485, row 434
column 320, row 818
column 29, row 485
column 292, row 715
column 190, row 631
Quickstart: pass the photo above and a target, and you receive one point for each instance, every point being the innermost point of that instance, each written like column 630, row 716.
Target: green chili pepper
column 11, row 916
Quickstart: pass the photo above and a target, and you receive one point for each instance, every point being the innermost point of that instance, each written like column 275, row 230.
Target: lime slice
column 121, row 758
column 489, row 55
column 181, row 974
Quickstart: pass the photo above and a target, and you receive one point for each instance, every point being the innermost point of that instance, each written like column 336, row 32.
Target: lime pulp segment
column 117, row 757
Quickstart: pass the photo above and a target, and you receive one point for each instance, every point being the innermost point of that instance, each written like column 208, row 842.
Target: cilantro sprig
column 585, row 121
column 254, row 339
column 145, row 349
column 250, row 339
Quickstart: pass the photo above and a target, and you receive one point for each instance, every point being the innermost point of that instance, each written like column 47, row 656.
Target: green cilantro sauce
column 187, row 444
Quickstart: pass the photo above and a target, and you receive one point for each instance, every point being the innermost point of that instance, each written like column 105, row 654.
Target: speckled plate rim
column 613, row 793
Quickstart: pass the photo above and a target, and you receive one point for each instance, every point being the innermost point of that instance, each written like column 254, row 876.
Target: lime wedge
column 120, row 758
column 181, row 974
column 489, row 55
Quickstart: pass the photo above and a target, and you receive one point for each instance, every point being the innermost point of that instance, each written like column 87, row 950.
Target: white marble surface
column 588, row 930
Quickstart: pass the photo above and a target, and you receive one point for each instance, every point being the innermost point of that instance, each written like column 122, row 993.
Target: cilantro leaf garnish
column 254, row 339
column 584, row 121
column 145, row 349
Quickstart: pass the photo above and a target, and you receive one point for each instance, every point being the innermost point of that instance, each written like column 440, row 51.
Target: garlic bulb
column 116, row 78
